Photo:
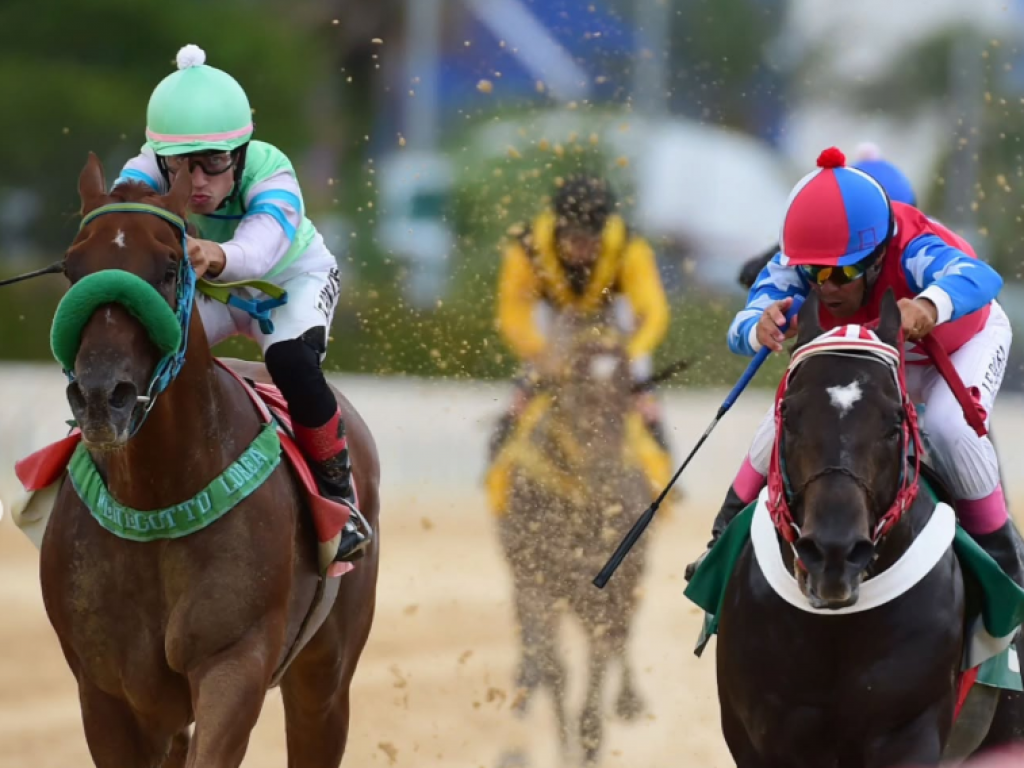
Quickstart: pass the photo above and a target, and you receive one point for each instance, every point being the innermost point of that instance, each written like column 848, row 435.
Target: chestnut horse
column 165, row 634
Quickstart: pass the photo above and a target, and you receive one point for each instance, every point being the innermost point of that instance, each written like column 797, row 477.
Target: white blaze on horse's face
column 119, row 239
column 845, row 397
column 603, row 367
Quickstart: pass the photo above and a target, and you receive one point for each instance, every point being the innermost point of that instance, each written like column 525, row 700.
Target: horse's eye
column 171, row 274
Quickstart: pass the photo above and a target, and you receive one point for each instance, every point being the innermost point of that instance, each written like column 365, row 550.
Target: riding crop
column 645, row 519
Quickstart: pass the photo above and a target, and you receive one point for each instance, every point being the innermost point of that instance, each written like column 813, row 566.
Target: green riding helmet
column 197, row 109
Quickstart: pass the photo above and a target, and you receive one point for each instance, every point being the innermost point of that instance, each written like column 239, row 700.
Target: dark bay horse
column 572, row 486
column 170, row 633
column 818, row 681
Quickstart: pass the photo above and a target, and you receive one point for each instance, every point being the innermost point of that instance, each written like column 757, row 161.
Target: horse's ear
column 92, row 187
column 176, row 200
column 890, row 320
column 808, row 323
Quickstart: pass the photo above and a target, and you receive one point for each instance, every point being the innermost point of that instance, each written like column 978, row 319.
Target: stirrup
column 356, row 536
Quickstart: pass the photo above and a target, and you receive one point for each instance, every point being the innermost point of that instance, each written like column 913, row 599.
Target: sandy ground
column 434, row 684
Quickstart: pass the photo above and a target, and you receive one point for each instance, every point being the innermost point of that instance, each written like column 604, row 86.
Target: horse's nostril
column 75, row 397
column 861, row 554
column 810, row 553
column 124, row 394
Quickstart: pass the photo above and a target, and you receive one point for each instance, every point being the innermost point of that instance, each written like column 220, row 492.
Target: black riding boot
column 1005, row 546
column 731, row 507
column 319, row 427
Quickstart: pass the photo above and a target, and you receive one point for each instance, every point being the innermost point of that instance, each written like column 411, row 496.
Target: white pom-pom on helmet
column 197, row 108
column 190, row 56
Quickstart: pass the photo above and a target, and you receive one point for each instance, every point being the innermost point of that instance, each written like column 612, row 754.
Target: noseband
column 173, row 360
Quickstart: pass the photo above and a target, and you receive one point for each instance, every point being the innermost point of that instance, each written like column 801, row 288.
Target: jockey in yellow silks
column 580, row 255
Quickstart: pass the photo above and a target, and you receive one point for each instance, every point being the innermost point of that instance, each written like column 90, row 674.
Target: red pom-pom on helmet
column 832, row 158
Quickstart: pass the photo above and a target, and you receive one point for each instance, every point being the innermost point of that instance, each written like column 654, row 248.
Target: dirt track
column 434, row 685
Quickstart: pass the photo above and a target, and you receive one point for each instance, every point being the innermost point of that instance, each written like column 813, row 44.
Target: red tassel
column 832, row 158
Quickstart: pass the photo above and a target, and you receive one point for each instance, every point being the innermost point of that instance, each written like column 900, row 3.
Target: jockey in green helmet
column 248, row 210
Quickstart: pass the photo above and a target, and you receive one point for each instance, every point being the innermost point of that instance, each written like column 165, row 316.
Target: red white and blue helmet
column 836, row 216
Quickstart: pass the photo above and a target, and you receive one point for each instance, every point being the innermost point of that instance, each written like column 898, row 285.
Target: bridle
column 862, row 343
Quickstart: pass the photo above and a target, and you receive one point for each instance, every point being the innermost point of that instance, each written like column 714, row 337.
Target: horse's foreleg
column 532, row 640
column 228, row 690
column 742, row 749
column 555, row 676
column 628, row 705
column 114, row 734
column 315, row 692
column 316, row 738
column 918, row 743
column 591, row 730
column 179, row 752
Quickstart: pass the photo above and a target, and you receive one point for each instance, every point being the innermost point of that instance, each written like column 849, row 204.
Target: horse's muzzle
column 830, row 576
column 103, row 411
column 832, row 597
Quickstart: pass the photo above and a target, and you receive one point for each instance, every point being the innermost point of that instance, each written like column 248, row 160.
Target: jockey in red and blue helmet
column 838, row 219
column 845, row 241
column 896, row 185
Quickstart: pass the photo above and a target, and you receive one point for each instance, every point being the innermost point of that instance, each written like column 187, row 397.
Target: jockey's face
column 841, row 299
column 578, row 247
column 211, row 181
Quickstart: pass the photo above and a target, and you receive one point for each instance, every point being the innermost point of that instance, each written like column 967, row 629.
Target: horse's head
column 116, row 328
column 594, row 385
column 841, row 452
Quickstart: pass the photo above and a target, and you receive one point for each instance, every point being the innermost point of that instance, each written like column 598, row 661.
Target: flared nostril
column 861, row 554
column 123, row 395
column 76, row 399
column 810, row 553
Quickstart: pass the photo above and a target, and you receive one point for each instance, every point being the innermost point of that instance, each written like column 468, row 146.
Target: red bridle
column 859, row 341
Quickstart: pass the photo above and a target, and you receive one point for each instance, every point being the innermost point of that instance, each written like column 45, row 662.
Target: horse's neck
column 194, row 432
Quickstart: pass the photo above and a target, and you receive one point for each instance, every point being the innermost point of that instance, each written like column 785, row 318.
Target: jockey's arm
column 953, row 281
column 273, row 214
column 776, row 282
column 518, row 292
column 641, row 284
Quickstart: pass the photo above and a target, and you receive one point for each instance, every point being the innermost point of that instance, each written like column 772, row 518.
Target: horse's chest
column 98, row 594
